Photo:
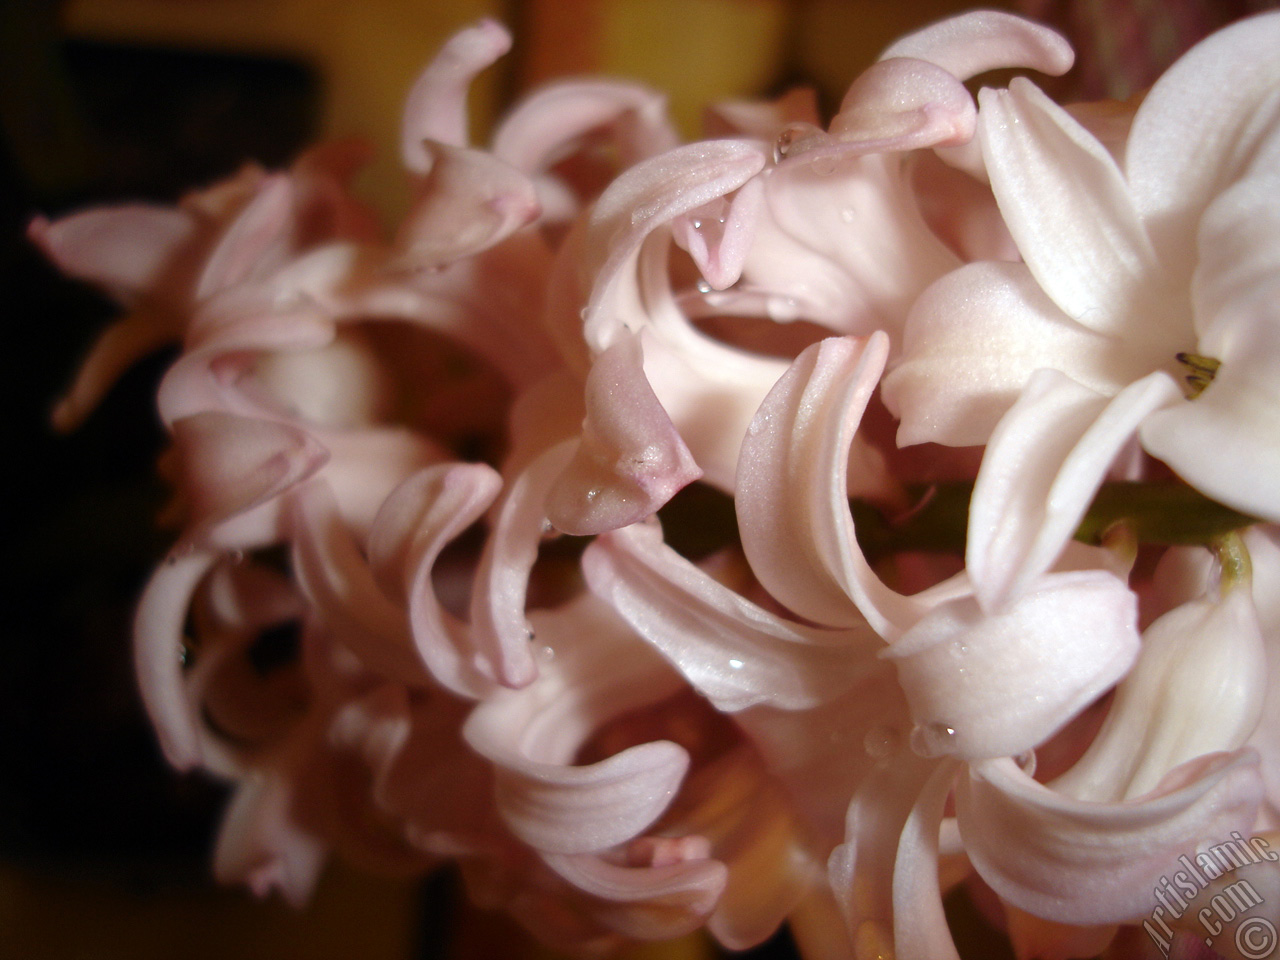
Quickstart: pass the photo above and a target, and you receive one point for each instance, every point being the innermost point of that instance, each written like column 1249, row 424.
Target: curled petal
column 595, row 671
column 646, row 903
column 1069, row 209
column 230, row 464
column 718, row 235
column 735, row 654
column 793, row 508
column 1198, row 688
column 553, row 118
column 157, row 653
column 905, row 104
column 646, row 196
column 130, row 251
column 415, row 524
column 436, row 108
column 119, row 347
column 995, row 685
column 336, row 578
column 1199, row 128
column 1043, row 464
column 251, row 244
column 972, row 341
column 630, row 460
column 500, row 630
column 468, row 200
column 1095, row 863
column 983, row 40
column 260, row 843
column 920, row 930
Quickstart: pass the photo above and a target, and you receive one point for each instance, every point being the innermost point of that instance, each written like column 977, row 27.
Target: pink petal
column 467, row 201
column 595, row 672
column 983, row 40
column 416, row 522
column 971, row 343
column 1068, row 208
column 793, row 510
column 1197, row 688
column 131, row 251
column 630, row 460
column 1043, row 464
column 645, row 903
column 157, row 653
column 736, row 654
column 231, row 464
column 120, row 346
column 553, row 118
column 1095, row 863
column 500, row 630
column 335, row 576
column 718, row 235
column 999, row 684
column 436, row 108
column 905, row 104
column 920, row 930
column 261, row 845
column 1198, row 128
column 247, row 246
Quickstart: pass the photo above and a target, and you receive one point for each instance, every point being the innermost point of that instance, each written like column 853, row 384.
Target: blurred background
column 103, row 850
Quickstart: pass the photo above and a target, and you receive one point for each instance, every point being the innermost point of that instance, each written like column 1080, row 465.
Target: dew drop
column 789, row 138
column 932, row 739
column 697, row 224
column 882, row 742
column 704, row 287
column 824, row 166
column 735, row 664
column 547, row 654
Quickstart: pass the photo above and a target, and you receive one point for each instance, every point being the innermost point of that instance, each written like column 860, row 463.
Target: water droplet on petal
column 824, row 166
column 735, row 664
column 697, row 224
column 790, row 137
column 704, row 287
column 932, row 739
column 882, row 742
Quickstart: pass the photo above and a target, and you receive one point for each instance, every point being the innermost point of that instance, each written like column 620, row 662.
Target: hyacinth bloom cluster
column 436, row 473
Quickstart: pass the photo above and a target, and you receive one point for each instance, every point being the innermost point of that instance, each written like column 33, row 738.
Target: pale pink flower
column 1129, row 265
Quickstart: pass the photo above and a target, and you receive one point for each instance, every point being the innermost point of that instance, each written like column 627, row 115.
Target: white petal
column 983, row 40
column 735, row 654
column 1094, row 863
column 1199, row 127
column 972, row 341
column 1046, row 459
column 1068, row 208
column 995, row 685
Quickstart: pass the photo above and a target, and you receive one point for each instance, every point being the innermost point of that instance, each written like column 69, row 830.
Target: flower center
column 1201, row 372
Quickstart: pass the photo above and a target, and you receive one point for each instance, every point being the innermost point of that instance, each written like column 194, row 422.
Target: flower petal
column 1096, row 863
column 436, row 107
column 1043, row 464
column 999, row 684
column 1068, row 208
column 971, row 343
column 734, row 653
column 413, row 526
column 793, row 509
column 983, row 40
column 630, row 459
column 1198, row 128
